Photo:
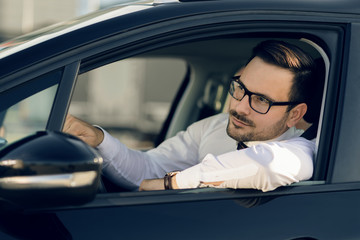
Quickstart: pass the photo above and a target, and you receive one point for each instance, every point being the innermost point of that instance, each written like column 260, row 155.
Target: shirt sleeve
column 265, row 166
column 127, row 167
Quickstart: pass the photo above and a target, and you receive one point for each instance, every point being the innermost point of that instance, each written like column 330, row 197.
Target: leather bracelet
column 167, row 180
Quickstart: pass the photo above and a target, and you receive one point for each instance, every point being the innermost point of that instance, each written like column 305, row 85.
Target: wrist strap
column 167, row 180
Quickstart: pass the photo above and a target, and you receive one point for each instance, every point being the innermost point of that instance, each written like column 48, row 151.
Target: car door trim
column 63, row 97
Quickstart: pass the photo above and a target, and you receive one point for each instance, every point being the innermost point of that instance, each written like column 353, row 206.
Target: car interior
column 201, row 89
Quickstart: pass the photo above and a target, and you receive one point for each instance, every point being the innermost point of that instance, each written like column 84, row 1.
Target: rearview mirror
column 48, row 169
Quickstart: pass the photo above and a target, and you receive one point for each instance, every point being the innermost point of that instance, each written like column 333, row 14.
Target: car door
column 297, row 212
column 308, row 210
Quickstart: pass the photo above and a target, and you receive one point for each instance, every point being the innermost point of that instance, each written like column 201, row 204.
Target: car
column 107, row 67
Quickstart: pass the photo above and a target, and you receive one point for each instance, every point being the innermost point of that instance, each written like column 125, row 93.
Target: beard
column 254, row 134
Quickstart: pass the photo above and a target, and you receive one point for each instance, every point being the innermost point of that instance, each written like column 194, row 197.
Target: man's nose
column 243, row 106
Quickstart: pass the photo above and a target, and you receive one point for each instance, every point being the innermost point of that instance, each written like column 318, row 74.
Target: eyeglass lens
column 256, row 102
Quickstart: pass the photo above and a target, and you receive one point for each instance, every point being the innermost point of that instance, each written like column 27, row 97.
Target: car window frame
column 144, row 39
column 283, row 28
column 27, row 87
column 344, row 163
column 63, row 97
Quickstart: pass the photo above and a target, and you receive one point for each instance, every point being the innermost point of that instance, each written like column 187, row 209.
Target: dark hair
column 294, row 59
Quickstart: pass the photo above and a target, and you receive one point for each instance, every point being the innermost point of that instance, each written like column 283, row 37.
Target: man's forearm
column 157, row 184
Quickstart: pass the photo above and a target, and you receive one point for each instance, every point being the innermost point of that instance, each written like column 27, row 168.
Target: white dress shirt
column 205, row 153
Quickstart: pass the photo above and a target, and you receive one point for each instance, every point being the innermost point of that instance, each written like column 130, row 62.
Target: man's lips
column 239, row 120
column 239, row 123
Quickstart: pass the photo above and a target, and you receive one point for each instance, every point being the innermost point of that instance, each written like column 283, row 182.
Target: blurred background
column 130, row 98
column 18, row 17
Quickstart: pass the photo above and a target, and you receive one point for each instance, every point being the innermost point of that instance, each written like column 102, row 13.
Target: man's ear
column 296, row 114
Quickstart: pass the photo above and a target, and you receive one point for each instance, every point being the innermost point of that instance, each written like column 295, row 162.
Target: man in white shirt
column 269, row 98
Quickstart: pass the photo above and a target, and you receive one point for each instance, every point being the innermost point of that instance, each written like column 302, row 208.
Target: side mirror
column 48, row 169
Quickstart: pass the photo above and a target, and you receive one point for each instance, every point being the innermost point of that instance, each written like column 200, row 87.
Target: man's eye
column 260, row 99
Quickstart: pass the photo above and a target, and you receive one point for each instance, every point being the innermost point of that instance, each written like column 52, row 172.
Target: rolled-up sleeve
column 128, row 168
column 265, row 166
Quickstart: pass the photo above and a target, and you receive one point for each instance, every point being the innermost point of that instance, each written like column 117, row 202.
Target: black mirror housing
column 48, row 169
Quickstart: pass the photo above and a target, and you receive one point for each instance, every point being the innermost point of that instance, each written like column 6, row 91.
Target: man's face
column 268, row 80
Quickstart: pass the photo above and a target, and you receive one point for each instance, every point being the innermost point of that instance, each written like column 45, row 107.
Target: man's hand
column 86, row 132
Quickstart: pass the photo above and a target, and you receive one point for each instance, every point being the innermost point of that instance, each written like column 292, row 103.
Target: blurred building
column 18, row 17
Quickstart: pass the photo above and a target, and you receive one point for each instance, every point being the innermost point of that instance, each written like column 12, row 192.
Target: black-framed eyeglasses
column 257, row 102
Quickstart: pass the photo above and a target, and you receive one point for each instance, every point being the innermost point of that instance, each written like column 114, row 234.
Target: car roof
column 329, row 6
column 42, row 35
column 94, row 26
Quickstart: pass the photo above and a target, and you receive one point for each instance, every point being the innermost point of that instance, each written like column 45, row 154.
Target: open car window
column 139, row 98
column 130, row 98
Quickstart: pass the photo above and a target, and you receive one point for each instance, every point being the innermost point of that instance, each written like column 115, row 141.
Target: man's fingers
column 68, row 123
column 83, row 130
